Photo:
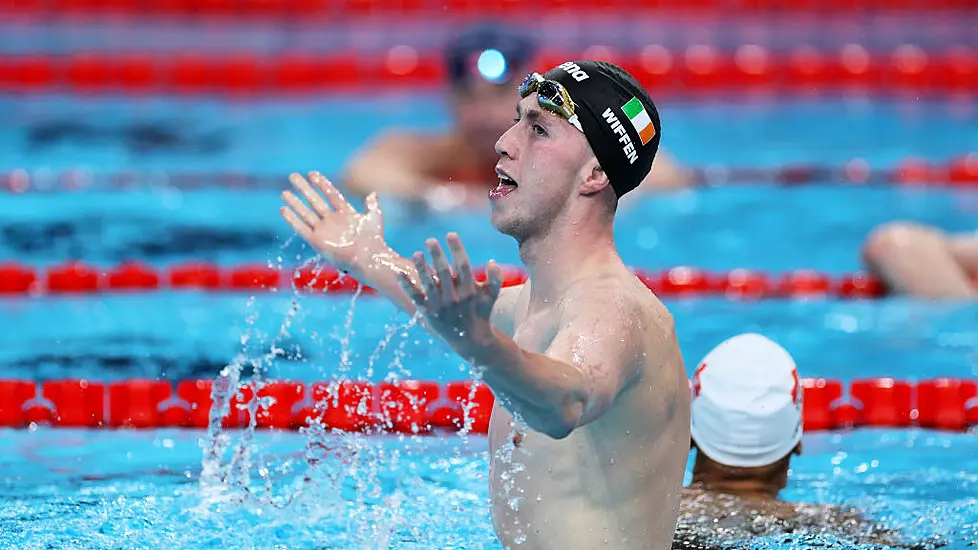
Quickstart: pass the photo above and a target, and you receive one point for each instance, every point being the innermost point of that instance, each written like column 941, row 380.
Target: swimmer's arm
column 574, row 382
column 393, row 165
column 666, row 174
column 386, row 266
column 382, row 275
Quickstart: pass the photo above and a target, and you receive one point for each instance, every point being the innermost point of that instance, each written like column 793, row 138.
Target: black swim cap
column 515, row 50
column 619, row 119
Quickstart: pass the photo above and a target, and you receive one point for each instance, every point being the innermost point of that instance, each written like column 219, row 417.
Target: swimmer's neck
column 567, row 253
column 745, row 489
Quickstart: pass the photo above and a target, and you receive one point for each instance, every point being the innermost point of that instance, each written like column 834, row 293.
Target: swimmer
column 923, row 261
column 746, row 424
column 484, row 64
column 583, row 359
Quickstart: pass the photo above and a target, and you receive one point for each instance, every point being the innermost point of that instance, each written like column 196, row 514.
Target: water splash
column 218, row 481
column 345, row 474
column 232, row 482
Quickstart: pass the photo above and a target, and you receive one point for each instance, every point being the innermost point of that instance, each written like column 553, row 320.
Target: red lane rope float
column 959, row 171
column 303, row 9
column 420, row 407
column 77, row 278
column 907, row 69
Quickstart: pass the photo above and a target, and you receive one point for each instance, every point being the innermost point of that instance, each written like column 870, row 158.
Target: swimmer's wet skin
column 582, row 358
column 710, row 520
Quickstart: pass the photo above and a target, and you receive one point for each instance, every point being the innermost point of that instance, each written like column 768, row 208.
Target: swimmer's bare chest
column 576, row 492
column 615, row 482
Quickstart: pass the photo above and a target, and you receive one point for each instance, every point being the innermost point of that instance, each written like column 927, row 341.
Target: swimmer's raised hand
column 330, row 224
column 455, row 305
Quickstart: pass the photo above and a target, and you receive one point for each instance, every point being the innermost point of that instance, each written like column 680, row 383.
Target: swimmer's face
column 483, row 111
column 549, row 160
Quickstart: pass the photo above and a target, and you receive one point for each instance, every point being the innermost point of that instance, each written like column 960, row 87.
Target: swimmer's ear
column 595, row 178
column 797, row 449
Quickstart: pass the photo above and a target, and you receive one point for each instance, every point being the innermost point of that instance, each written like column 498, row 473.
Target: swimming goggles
column 552, row 96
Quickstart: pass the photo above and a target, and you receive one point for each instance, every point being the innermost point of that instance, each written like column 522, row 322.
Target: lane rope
column 424, row 407
column 78, row 278
column 303, row 9
column 907, row 69
column 960, row 171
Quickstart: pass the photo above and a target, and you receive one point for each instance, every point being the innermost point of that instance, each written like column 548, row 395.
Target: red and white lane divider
column 907, row 69
column 305, row 9
column 77, row 278
column 959, row 171
column 420, row 407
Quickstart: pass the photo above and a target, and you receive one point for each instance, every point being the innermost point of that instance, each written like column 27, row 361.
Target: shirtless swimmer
column 582, row 358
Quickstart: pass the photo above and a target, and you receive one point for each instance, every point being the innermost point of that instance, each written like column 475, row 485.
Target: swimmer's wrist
column 380, row 262
column 484, row 350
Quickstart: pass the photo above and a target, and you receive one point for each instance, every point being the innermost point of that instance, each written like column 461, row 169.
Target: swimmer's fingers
column 427, row 278
column 412, row 290
column 446, row 282
column 300, row 208
column 314, row 199
column 494, row 279
column 297, row 224
column 463, row 268
column 335, row 198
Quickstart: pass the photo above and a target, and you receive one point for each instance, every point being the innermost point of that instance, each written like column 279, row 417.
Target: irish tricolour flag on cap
column 635, row 112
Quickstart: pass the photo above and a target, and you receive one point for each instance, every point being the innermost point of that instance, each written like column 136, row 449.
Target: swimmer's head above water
column 484, row 64
column 585, row 133
column 746, row 419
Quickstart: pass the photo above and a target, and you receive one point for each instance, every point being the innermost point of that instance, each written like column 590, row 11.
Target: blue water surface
column 139, row 489
column 106, row 489
column 321, row 133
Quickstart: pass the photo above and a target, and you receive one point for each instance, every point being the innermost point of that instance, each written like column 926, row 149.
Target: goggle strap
column 576, row 123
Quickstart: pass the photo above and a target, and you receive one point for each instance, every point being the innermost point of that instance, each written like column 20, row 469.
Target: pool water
column 115, row 489
column 72, row 489
column 277, row 136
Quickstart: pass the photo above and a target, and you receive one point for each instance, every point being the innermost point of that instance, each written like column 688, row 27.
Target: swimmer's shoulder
column 619, row 294
column 411, row 142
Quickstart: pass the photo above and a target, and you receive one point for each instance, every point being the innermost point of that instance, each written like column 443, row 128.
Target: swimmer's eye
column 539, row 130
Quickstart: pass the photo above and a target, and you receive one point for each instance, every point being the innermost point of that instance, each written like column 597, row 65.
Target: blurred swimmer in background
column 485, row 64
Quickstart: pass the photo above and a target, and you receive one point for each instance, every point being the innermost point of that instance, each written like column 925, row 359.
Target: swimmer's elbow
column 558, row 430
column 567, row 419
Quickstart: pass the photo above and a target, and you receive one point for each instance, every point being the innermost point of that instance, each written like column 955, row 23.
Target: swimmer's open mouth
column 505, row 186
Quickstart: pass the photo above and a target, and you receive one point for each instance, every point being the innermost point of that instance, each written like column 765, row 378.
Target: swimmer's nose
column 504, row 145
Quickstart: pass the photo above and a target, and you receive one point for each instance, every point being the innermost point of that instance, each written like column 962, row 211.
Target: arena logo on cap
column 619, row 128
column 575, row 70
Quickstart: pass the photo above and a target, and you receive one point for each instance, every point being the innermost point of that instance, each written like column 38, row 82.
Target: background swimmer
column 745, row 425
column 484, row 64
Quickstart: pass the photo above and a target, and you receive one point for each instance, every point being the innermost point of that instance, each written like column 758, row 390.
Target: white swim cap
column 746, row 404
